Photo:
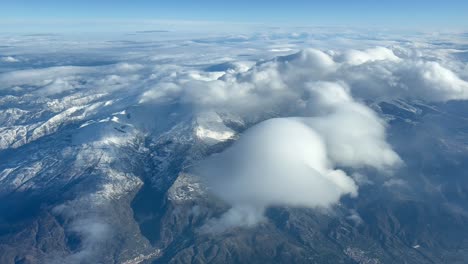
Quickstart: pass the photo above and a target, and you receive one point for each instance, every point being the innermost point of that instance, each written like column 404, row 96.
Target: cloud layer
column 319, row 98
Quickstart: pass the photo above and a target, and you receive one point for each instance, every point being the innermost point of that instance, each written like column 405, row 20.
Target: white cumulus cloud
column 277, row 162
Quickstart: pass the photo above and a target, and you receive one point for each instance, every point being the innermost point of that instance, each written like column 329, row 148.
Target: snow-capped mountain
column 108, row 157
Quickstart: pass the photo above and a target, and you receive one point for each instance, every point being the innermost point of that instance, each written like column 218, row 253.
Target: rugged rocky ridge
column 394, row 219
column 156, row 208
column 96, row 161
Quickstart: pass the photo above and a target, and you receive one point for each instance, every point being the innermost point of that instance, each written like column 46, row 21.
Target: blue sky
column 363, row 13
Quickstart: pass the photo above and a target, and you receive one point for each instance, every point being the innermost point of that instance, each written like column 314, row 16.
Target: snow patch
column 211, row 129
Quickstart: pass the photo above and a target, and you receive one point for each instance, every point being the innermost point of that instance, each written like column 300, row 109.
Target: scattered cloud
column 91, row 229
column 9, row 59
column 355, row 217
column 308, row 155
column 395, row 183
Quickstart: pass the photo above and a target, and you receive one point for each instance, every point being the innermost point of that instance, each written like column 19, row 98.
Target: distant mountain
column 100, row 163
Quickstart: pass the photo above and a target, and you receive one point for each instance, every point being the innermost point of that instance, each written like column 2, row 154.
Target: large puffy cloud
column 353, row 133
column 277, row 162
column 292, row 161
column 286, row 157
column 431, row 81
column 406, row 79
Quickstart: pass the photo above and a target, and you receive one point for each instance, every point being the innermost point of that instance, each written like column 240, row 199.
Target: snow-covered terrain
column 145, row 147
